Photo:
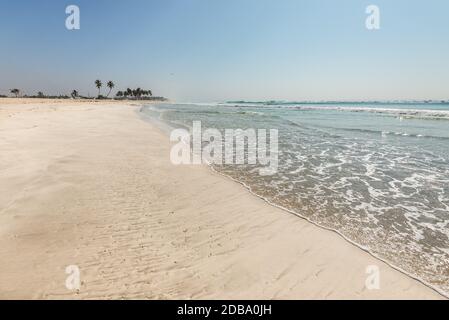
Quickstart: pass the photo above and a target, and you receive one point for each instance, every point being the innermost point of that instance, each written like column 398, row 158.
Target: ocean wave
column 386, row 102
column 394, row 133
column 400, row 113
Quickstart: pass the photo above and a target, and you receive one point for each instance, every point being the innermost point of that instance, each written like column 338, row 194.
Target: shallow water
column 377, row 173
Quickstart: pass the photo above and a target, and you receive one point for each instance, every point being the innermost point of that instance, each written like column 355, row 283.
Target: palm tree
column 16, row 92
column 98, row 84
column 110, row 85
column 74, row 94
column 138, row 93
column 129, row 92
column 40, row 94
column 147, row 93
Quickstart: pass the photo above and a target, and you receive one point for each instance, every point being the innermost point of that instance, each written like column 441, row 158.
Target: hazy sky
column 210, row 50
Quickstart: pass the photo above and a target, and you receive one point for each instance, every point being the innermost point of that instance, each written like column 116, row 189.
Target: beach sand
column 92, row 185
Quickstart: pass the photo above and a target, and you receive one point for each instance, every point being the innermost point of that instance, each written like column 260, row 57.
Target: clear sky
column 210, row 50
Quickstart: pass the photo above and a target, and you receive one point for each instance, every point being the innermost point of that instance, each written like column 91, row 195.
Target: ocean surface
column 377, row 173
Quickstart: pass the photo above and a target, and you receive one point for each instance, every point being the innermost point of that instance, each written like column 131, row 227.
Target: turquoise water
column 378, row 173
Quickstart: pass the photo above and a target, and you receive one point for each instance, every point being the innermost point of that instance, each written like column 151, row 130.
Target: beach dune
column 91, row 185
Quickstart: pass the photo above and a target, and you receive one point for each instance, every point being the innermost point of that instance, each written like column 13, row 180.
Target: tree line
column 129, row 93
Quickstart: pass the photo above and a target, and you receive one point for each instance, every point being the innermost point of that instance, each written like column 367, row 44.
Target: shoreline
column 248, row 189
column 355, row 244
column 122, row 192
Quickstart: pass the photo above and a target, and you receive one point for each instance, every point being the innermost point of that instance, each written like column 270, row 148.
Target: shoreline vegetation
column 137, row 94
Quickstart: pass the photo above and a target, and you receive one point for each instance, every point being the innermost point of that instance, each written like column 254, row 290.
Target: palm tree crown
column 110, row 85
column 138, row 93
column 16, row 92
column 98, row 84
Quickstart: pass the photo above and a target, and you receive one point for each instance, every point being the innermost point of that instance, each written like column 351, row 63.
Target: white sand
column 91, row 185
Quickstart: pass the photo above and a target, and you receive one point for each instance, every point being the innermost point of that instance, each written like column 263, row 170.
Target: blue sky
column 210, row 50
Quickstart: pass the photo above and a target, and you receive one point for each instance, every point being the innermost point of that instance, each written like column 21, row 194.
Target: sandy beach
column 91, row 184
